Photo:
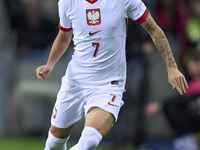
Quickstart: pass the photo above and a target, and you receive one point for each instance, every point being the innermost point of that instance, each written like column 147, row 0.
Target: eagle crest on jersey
column 93, row 17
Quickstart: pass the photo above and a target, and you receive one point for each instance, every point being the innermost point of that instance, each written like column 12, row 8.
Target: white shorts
column 73, row 103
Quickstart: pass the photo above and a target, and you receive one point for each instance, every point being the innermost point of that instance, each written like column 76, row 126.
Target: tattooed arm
column 175, row 77
column 160, row 41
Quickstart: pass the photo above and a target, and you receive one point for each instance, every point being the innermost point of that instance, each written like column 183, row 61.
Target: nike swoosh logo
column 92, row 33
column 112, row 104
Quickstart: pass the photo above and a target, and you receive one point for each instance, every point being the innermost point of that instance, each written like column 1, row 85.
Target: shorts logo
column 112, row 101
column 54, row 112
column 93, row 17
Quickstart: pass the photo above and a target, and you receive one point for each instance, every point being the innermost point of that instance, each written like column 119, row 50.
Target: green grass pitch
column 29, row 144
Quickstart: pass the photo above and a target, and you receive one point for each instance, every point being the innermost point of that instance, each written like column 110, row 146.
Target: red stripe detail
column 89, row 1
column 143, row 17
column 64, row 29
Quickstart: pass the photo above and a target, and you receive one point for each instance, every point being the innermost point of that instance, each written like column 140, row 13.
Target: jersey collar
column 89, row 1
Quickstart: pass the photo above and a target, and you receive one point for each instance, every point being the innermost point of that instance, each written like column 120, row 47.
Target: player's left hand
column 177, row 80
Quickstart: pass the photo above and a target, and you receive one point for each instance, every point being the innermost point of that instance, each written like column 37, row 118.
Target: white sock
column 54, row 143
column 89, row 140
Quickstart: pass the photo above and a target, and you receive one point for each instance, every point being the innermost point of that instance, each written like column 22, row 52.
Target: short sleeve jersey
column 99, row 30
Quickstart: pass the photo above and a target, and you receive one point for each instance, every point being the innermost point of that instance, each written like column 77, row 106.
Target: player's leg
column 57, row 138
column 98, row 123
column 68, row 102
column 102, row 108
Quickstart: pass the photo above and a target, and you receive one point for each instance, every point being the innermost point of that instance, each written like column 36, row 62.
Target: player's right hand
column 43, row 72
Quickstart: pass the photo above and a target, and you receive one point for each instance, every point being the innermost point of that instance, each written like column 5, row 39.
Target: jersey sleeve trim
column 143, row 17
column 64, row 29
column 91, row 1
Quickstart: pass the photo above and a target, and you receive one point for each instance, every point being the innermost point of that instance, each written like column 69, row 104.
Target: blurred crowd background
column 153, row 113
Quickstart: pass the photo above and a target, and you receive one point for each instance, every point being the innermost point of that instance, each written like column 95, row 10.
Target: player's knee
column 60, row 133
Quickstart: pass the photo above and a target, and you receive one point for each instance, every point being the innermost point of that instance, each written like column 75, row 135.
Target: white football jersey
column 99, row 30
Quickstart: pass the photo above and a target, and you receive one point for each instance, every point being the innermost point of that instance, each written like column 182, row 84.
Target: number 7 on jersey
column 96, row 45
